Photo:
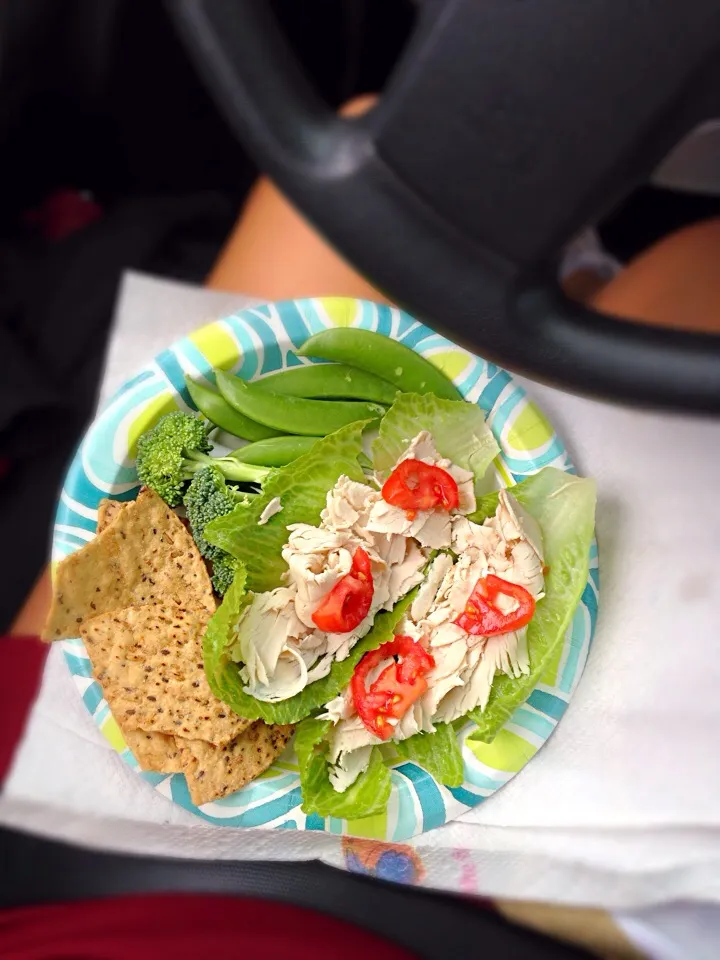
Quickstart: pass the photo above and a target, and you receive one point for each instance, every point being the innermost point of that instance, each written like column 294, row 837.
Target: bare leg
column 274, row 253
column 675, row 283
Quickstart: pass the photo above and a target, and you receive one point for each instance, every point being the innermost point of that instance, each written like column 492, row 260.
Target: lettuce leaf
column 439, row 753
column 221, row 673
column 302, row 487
column 369, row 794
column 458, row 429
column 564, row 506
column 224, row 675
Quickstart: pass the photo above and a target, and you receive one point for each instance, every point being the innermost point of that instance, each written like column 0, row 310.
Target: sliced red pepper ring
column 414, row 485
column 482, row 618
column 399, row 685
column 348, row 603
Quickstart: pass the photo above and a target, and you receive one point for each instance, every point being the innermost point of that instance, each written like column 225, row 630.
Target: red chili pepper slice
column 481, row 618
column 400, row 684
column 348, row 603
column 414, row 485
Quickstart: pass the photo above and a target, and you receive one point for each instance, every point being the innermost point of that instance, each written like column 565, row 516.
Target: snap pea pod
column 329, row 380
column 275, row 452
column 308, row 418
column 382, row 356
column 218, row 411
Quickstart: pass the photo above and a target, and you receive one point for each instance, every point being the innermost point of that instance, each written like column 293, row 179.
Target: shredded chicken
column 274, row 507
column 349, row 767
column 267, row 631
column 509, row 544
column 431, row 528
column 280, row 647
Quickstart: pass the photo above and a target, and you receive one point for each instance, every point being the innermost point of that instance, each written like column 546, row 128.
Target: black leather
column 433, row 926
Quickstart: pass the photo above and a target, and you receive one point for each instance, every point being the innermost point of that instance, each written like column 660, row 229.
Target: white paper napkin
column 619, row 808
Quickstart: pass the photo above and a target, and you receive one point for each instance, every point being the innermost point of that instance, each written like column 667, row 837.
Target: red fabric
column 183, row 926
column 22, row 659
column 63, row 213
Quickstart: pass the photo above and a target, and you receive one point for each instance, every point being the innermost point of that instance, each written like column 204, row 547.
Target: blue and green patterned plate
column 261, row 340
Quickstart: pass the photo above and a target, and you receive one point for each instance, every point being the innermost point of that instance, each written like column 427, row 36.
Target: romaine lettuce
column 458, row 429
column 439, row 753
column 367, row 796
column 564, row 506
column 224, row 675
column 302, row 488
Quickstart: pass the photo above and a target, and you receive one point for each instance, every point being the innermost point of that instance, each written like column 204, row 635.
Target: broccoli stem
column 230, row 469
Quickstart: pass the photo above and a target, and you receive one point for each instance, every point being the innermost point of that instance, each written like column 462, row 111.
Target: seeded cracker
column 144, row 555
column 155, row 680
column 108, row 510
column 213, row 772
column 156, row 752
column 153, row 751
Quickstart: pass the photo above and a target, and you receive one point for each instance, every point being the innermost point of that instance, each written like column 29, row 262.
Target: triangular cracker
column 155, row 678
column 144, row 555
column 156, row 752
column 108, row 510
column 213, row 772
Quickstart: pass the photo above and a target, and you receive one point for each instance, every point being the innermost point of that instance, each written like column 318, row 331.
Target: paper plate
column 261, row 340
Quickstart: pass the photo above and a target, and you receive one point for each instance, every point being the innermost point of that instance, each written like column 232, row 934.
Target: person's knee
column 697, row 243
column 675, row 282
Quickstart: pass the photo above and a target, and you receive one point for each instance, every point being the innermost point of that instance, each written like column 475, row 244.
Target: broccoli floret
column 175, row 449
column 208, row 497
column 223, row 574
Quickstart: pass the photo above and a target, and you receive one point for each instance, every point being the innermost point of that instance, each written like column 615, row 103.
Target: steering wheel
column 507, row 126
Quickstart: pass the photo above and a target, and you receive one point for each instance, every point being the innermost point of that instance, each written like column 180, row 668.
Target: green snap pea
column 275, row 452
column 218, row 411
column 382, row 356
column 308, row 418
column 329, row 381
